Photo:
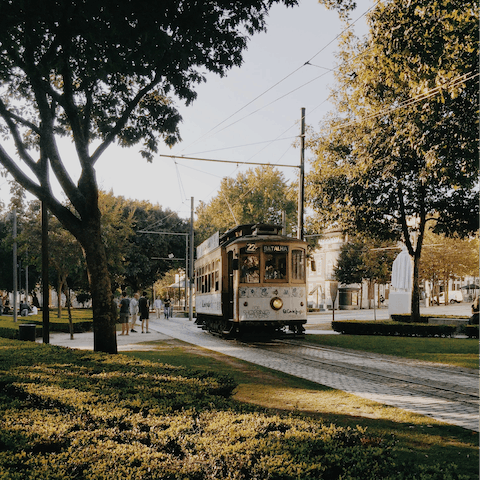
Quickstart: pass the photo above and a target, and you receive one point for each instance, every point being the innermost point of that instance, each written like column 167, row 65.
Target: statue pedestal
column 400, row 303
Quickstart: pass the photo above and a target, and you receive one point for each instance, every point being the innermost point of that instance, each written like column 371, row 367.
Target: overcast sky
column 234, row 112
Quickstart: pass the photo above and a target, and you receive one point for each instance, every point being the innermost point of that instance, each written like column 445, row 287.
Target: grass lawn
column 78, row 315
column 420, row 439
column 461, row 352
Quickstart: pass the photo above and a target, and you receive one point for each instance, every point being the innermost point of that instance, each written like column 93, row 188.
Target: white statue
column 399, row 301
column 402, row 272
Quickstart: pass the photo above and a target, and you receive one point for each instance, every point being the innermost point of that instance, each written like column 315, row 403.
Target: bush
column 78, row 414
column 471, row 331
column 393, row 328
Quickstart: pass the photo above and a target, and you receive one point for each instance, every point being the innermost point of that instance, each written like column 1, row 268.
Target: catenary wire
column 349, row 26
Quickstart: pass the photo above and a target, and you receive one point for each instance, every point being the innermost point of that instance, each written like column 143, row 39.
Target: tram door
column 230, row 297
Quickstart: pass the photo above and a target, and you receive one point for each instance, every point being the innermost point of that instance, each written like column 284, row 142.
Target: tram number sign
column 251, row 248
column 275, row 249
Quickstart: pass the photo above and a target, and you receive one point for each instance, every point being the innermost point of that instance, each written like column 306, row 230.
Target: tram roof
column 251, row 229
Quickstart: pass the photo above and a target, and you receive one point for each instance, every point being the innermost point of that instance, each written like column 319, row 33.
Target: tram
column 251, row 279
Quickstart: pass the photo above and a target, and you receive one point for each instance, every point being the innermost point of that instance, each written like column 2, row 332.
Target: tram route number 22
column 251, row 248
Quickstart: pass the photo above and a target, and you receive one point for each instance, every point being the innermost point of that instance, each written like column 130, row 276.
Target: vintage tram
column 251, row 279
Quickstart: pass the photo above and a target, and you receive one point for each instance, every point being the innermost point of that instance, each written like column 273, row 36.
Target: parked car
column 455, row 296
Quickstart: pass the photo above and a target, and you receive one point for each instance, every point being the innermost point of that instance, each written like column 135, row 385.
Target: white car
column 455, row 296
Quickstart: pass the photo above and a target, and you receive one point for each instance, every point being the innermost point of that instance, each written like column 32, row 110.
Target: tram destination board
column 275, row 249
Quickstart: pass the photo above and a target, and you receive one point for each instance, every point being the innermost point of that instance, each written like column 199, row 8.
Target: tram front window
column 249, row 266
column 276, row 263
column 298, row 265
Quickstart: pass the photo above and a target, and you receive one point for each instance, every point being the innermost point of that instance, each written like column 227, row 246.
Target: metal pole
column 190, row 270
column 186, row 271
column 26, row 283
column 45, row 296
column 301, row 180
column 15, row 279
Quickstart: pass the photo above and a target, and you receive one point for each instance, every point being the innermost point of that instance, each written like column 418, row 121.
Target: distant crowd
column 138, row 307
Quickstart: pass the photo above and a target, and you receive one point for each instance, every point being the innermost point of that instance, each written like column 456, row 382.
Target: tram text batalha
column 251, row 279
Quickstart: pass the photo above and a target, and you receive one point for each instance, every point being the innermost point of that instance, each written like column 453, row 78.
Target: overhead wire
column 308, row 62
column 412, row 101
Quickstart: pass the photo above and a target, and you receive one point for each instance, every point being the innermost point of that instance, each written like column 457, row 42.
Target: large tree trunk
column 104, row 309
column 416, row 288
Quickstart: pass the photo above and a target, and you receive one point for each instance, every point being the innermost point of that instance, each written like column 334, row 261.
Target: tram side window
column 249, row 265
column 298, row 265
column 217, row 275
column 275, row 266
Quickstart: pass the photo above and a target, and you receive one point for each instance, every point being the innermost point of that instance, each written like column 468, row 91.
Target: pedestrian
column 24, row 309
column 166, row 307
column 134, row 312
column 144, row 308
column 124, row 312
column 158, row 304
column 474, row 318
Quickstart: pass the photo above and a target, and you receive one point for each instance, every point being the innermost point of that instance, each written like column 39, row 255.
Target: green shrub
column 470, row 330
column 68, row 414
column 355, row 327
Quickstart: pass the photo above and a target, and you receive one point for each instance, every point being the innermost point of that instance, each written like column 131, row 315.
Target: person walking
column 144, row 308
column 166, row 308
column 124, row 313
column 134, row 312
column 158, row 304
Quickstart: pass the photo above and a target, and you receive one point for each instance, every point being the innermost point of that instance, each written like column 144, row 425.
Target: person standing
column 124, row 313
column 144, row 308
column 134, row 312
column 158, row 304
column 166, row 307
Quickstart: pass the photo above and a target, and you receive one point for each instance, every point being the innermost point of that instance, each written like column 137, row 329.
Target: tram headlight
column 276, row 303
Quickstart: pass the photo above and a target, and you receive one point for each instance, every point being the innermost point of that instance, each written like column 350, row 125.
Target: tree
column 257, row 196
column 65, row 255
column 401, row 148
column 146, row 253
column 99, row 72
column 447, row 258
column 364, row 258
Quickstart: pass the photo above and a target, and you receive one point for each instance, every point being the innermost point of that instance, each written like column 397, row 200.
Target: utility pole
column 190, row 270
column 15, row 266
column 45, row 288
column 301, row 180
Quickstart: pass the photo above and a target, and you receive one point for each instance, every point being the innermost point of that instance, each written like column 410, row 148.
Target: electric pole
column 301, row 180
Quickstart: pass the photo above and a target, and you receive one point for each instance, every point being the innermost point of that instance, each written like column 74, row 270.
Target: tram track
column 425, row 380
column 446, row 393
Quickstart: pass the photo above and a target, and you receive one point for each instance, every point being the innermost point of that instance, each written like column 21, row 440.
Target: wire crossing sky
column 265, row 94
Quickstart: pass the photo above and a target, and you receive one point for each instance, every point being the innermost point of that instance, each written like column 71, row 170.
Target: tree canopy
column 257, row 196
column 401, row 148
column 103, row 71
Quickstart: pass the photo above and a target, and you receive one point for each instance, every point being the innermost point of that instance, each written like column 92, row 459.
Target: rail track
column 459, row 385
column 445, row 393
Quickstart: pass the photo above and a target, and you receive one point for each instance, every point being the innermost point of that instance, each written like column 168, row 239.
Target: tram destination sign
column 275, row 249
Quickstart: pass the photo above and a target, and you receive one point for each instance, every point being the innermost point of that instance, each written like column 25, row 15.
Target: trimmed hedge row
column 78, row 327
column 471, row 331
column 393, row 329
column 407, row 318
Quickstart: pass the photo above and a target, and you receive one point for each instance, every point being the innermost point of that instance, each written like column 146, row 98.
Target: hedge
column 68, row 414
column 393, row 328
column 471, row 331
column 407, row 318
column 78, row 327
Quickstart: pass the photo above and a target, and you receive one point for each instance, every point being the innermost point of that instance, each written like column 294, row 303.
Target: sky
column 250, row 115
